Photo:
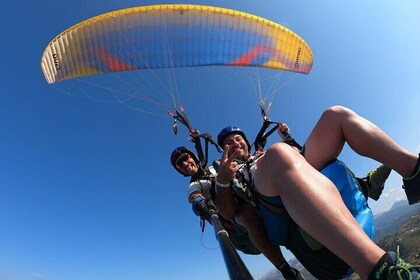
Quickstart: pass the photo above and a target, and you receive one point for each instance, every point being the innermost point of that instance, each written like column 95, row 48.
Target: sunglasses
column 181, row 159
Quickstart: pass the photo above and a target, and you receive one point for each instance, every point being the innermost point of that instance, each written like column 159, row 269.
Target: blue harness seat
column 277, row 222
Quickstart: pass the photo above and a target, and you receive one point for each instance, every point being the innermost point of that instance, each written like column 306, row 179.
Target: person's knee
column 272, row 170
column 278, row 156
column 280, row 153
column 336, row 112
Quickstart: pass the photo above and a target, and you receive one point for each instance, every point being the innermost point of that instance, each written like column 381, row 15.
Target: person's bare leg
column 248, row 218
column 339, row 125
column 316, row 206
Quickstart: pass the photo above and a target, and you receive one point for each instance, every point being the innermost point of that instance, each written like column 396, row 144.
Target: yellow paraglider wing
column 161, row 36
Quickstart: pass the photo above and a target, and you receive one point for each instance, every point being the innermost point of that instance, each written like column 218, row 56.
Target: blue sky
column 86, row 190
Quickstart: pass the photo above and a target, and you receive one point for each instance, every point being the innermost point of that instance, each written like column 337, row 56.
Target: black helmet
column 228, row 131
column 182, row 150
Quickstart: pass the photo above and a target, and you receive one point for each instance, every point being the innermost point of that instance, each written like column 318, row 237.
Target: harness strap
column 274, row 208
column 292, row 142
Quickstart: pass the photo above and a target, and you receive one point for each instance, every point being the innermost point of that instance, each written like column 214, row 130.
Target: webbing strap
column 274, row 208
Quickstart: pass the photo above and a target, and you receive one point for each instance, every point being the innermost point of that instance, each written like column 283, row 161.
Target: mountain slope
column 391, row 221
column 408, row 238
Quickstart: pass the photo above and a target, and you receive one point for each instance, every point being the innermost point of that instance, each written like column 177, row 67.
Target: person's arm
column 284, row 133
column 193, row 196
column 199, row 187
column 199, row 197
column 225, row 200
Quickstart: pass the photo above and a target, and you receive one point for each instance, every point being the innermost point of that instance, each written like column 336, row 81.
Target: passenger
column 321, row 231
column 246, row 229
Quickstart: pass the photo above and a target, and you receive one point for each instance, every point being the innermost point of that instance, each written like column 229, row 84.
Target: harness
column 275, row 215
column 277, row 220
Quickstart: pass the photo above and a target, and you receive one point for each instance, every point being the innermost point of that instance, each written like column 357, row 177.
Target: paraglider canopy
column 175, row 35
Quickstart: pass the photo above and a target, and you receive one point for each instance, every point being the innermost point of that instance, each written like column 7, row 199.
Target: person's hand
column 199, row 207
column 228, row 166
column 284, row 131
column 259, row 152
